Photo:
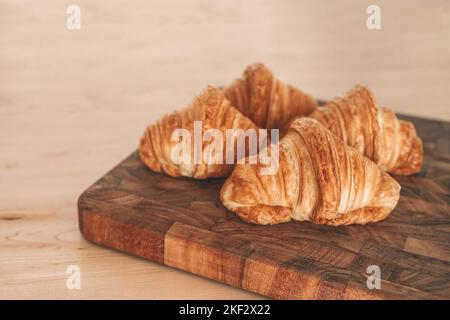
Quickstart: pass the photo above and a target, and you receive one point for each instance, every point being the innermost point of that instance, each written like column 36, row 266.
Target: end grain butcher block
column 181, row 223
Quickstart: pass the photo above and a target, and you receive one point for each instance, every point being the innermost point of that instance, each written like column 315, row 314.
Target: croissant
column 377, row 133
column 157, row 144
column 267, row 101
column 319, row 179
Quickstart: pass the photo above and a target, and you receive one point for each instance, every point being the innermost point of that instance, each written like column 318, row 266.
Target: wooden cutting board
column 181, row 223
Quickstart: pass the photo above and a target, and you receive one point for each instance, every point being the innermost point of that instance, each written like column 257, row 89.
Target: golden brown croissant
column 158, row 144
column 267, row 101
column 375, row 132
column 319, row 179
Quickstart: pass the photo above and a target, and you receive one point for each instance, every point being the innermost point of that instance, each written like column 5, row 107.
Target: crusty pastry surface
column 320, row 179
column 267, row 101
column 376, row 132
column 215, row 112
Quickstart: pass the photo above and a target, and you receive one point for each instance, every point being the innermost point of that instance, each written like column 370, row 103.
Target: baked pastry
column 159, row 148
column 377, row 133
column 319, row 179
column 267, row 101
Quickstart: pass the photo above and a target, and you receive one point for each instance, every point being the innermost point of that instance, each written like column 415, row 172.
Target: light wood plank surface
column 74, row 103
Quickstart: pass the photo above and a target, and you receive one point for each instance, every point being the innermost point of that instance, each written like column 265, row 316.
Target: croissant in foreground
column 267, row 101
column 210, row 110
column 377, row 133
column 319, row 179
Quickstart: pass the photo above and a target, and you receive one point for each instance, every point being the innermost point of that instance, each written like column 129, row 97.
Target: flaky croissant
column 215, row 112
column 319, row 179
column 377, row 133
column 267, row 101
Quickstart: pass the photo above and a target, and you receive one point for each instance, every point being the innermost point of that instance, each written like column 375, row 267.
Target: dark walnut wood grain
column 181, row 223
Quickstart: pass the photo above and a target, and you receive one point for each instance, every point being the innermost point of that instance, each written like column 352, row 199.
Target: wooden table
column 74, row 103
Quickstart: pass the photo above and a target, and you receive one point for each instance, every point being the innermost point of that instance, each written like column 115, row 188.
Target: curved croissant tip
column 389, row 193
column 144, row 145
column 410, row 160
column 146, row 153
column 240, row 196
column 264, row 214
column 237, row 191
column 395, row 186
column 414, row 162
